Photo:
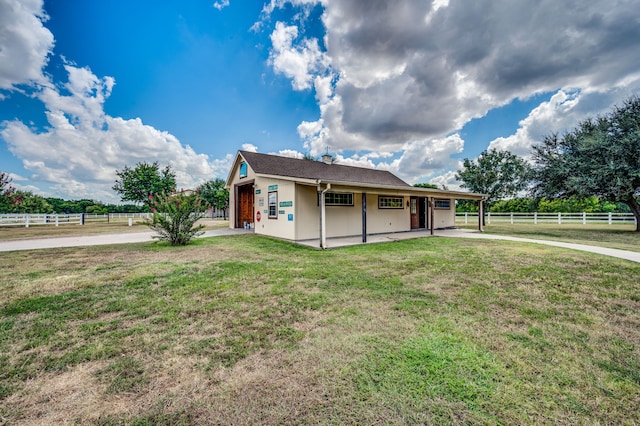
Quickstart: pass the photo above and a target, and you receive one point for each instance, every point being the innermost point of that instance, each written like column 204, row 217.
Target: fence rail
column 28, row 220
column 557, row 218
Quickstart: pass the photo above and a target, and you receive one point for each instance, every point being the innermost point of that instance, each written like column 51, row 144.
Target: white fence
column 28, row 220
column 556, row 218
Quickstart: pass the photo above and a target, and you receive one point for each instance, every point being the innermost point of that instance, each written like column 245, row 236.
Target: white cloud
column 221, row 4
column 83, row 146
column 301, row 61
column 411, row 70
column 249, row 147
column 291, row 153
column 24, row 43
column 558, row 115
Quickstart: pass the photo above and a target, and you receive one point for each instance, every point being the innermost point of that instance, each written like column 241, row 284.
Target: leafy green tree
column 8, row 198
column 31, row 203
column 515, row 205
column 215, row 194
column 600, row 157
column 175, row 216
column 138, row 183
column 498, row 174
column 425, row 185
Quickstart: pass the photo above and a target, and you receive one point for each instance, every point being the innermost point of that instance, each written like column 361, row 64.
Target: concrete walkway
column 621, row 254
column 465, row 233
column 140, row 237
column 98, row 240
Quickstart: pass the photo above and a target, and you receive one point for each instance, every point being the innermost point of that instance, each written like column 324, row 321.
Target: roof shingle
column 306, row 169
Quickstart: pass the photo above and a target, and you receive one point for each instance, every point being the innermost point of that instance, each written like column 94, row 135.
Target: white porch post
column 323, row 215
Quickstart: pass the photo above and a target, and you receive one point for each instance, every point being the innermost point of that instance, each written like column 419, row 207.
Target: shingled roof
column 306, row 169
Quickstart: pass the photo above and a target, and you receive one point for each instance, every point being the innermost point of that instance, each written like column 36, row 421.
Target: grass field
column 250, row 330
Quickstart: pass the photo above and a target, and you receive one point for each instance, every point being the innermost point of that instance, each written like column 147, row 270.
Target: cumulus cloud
column 249, row 147
column 414, row 70
column 83, row 146
column 558, row 115
column 25, row 43
column 221, row 4
column 299, row 61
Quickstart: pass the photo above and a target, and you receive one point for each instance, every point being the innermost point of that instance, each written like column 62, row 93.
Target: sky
column 410, row 86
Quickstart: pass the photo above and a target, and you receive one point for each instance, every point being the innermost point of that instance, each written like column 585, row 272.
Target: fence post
column 535, row 218
column 610, row 218
column 488, row 218
column 26, row 220
column 466, row 218
column 584, row 218
column 559, row 218
column 81, row 218
column 57, row 220
column 511, row 218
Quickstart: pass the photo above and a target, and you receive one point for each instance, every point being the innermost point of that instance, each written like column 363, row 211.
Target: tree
column 498, row 174
column 8, row 198
column 175, row 216
column 145, row 179
column 425, row 185
column 31, row 203
column 600, row 157
column 215, row 194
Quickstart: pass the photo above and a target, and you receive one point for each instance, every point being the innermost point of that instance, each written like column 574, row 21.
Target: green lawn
column 250, row 330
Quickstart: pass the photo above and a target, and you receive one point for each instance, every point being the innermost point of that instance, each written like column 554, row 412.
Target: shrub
column 175, row 216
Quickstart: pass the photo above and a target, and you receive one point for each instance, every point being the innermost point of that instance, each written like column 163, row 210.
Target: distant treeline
column 543, row 205
column 35, row 204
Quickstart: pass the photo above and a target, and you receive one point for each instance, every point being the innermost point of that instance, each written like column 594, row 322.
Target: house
column 298, row 200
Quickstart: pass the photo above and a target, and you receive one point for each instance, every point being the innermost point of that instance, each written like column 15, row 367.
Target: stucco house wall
column 283, row 225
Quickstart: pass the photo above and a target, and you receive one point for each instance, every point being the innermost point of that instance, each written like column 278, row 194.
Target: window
column 338, row 199
column 243, row 169
column 443, row 204
column 390, row 202
column 273, row 205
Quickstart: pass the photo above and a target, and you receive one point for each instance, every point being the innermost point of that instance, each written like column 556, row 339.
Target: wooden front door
column 418, row 212
column 245, row 205
column 413, row 211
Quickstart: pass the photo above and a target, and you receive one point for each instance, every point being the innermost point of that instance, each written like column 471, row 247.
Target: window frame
column 243, row 170
column 386, row 204
column 447, row 200
column 335, row 203
column 274, row 205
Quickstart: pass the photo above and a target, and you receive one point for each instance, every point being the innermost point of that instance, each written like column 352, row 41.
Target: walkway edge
column 620, row 254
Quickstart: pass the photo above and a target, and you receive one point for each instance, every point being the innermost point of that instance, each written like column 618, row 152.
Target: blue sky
column 410, row 86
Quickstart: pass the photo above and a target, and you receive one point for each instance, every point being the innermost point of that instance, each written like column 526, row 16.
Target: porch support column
column 364, row 217
column 432, row 206
column 323, row 215
column 480, row 214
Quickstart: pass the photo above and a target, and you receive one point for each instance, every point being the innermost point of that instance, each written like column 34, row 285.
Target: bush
column 175, row 216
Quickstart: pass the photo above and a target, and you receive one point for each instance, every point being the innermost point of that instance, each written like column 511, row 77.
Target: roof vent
column 327, row 159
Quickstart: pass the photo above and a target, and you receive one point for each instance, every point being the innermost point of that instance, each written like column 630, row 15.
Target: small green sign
column 286, row 203
column 258, row 191
column 280, row 211
column 273, row 187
